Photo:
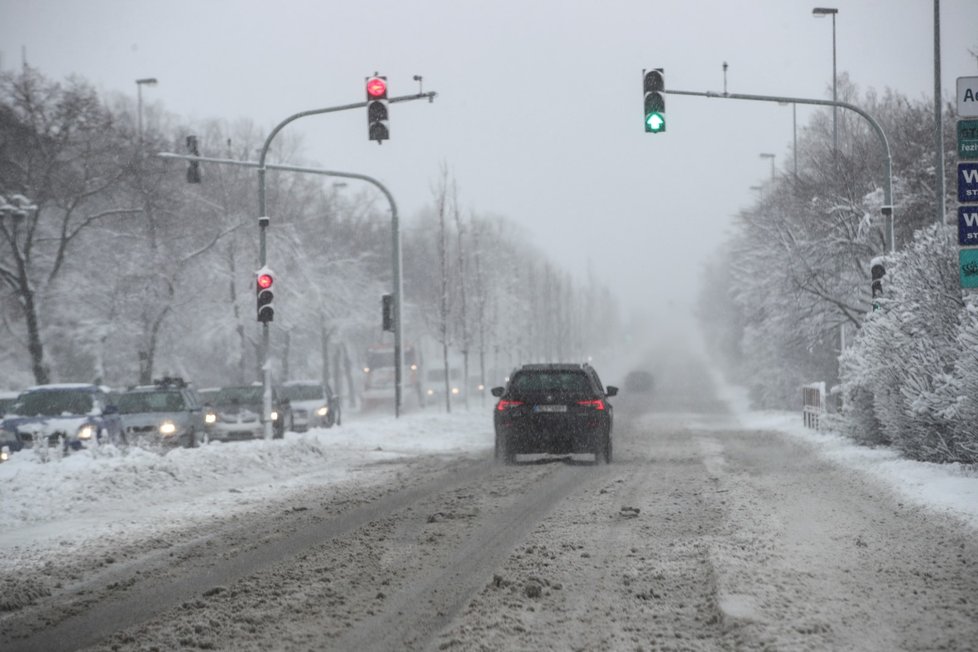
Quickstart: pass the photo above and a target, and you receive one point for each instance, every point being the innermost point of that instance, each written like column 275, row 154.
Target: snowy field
column 109, row 493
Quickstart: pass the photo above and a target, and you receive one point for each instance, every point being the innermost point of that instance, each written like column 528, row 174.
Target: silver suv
column 167, row 414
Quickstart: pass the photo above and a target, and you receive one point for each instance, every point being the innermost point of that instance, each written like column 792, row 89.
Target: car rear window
column 550, row 381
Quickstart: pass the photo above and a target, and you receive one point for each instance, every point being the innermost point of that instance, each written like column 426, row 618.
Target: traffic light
column 387, row 312
column 377, row 116
column 263, row 287
column 193, row 172
column 655, row 102
column 877, row 271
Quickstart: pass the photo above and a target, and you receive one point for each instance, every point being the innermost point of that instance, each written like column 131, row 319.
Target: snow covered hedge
column 910, row 379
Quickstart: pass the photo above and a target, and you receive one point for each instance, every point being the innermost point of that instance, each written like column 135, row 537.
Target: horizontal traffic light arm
column 887, row 207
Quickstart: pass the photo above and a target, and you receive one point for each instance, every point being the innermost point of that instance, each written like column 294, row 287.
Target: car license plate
column 550, row 408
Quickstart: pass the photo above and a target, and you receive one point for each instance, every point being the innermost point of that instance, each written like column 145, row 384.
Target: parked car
column 7, row 399
column 9, row 443
column 167, row 413
column 553, row 408
column 235, row 413
column 73, row 415
column 312, row 404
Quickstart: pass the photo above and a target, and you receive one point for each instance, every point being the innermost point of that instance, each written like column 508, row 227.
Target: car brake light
column 597, row 404
column 504, row 405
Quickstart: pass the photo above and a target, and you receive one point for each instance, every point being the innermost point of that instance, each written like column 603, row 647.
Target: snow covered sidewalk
column 948, row 488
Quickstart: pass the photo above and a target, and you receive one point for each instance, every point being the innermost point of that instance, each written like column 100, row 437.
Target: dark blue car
column 71, row 415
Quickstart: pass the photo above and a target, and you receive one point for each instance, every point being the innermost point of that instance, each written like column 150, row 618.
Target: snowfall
column 71, row 502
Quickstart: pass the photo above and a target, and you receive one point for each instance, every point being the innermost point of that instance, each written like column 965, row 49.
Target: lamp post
column 146, row 81
column 770, row 156
column 822, row 12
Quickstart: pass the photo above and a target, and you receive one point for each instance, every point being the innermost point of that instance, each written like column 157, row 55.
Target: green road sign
column 968, row 139
column 968, row 267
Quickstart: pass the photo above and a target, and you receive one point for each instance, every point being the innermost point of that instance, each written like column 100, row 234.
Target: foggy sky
column 539, row 112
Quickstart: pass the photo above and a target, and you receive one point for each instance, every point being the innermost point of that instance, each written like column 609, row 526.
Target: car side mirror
column 497, row 391
column 611, row 390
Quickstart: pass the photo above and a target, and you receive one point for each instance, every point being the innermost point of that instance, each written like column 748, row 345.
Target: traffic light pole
column 396, row 245
column 263, row 221
column 887, row 208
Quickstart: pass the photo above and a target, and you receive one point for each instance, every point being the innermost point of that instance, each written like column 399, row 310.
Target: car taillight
column 504, row 405
column 597, row 404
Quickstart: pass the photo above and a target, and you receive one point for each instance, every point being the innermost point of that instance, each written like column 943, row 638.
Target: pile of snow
column 107, row 483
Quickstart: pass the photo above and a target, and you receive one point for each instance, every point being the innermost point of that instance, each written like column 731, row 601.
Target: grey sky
column 539, row 108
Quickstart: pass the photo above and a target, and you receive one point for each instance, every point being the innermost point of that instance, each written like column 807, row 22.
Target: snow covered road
column 704, row 534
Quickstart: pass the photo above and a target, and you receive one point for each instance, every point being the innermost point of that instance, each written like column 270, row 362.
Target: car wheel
column 330, row 419
column 192, row 439
column 607, row 449
column 506, row 450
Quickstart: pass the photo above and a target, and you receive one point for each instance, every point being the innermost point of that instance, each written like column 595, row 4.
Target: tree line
column 788, row 300
column 125, row 271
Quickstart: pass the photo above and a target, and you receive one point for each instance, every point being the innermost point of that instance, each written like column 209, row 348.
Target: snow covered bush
column 905, row 376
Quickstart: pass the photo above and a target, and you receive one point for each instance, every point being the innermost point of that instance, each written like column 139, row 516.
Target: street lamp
column 146, row 81
column 770, row 156
column 822, row 12
column 794, row 131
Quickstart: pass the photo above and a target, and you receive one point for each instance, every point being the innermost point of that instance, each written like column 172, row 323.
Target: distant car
column 434, row 386
column 235, row 413
column 72, row 415
column 638, row 381
column 167, row 413
column 312, row 405
column 553, row 408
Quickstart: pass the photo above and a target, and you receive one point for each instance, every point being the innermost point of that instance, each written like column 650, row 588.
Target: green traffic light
column 655, row 123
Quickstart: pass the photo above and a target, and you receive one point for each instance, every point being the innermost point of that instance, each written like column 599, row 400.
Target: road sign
column 968, row 226
column 968, row 97
column 968, row 182
column 968, row 267
column 967, row 139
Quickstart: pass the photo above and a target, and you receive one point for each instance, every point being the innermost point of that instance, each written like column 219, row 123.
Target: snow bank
column 109, row 482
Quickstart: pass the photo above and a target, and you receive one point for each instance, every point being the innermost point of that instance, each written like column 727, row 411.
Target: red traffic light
column 265, row 281
column 377, row 87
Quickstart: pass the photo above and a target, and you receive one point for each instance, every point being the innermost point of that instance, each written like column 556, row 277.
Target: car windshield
column 550, row 381
column 229, row 395
column 303, row 392
column 138, row 402
column 54, row 403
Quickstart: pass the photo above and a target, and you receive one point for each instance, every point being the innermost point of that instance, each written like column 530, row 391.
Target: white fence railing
column 813, row 404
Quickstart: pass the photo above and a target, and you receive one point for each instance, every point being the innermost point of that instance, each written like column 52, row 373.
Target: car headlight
column 4, row 454
column 323, row 411
column 167, row 428
column 87, row 431
column 210, row 418
column 274, row 415
column 454, row 391
column 431, row 392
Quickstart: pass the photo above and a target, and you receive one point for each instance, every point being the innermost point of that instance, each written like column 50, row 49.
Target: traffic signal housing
column 377, row 114
column 877, row 272
column 387, row 312
column 193, row 172
column 263, row 289
column 655, row 101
